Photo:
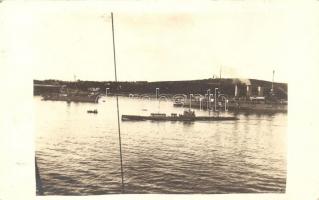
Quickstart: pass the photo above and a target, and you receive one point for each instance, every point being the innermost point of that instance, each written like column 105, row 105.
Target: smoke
column 242, row 80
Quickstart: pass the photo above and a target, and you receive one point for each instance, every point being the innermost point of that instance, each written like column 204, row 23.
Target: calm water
column 78, row 153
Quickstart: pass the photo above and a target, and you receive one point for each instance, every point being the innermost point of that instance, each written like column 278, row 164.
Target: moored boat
column 92, row 111
column 72, row 97
column 188, row 115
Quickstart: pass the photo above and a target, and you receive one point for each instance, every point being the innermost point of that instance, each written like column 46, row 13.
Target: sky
column 69, row 43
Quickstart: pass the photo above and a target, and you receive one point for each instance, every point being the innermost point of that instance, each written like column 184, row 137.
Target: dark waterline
column 77, row 152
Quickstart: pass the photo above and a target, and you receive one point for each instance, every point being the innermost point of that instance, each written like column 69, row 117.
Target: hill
column 225, row 85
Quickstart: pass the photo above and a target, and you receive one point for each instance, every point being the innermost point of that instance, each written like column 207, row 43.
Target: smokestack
column 248, row 88
column 236, row 90
column 260, row 91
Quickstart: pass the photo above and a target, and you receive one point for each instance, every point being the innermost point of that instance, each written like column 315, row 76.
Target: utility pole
column 220, row 77
column 190, row 101
column 272, row 84
column 215, row 95
column 117, row 105
column 157, row 93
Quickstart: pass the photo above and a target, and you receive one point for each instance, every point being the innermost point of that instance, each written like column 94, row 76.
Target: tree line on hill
column 225, row 86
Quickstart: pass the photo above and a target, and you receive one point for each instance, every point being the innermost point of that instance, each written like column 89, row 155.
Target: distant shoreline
column 225, row 86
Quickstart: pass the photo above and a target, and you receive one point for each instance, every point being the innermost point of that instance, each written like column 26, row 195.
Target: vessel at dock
column 258, row 105
column 247, row 105
column 72, row 95
column 88, row 98
column 188, row 115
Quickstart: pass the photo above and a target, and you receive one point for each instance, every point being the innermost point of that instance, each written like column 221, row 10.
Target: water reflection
column 78, row 152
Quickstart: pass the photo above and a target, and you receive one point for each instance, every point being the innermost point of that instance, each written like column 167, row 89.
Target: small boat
column 188, row 115
column 92, row 111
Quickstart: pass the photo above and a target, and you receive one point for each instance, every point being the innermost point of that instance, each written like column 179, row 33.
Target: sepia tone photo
column 159, row 102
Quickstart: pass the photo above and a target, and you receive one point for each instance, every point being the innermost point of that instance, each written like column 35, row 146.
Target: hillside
column 226, row 86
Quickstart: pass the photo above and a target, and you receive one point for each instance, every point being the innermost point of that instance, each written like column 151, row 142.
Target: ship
column 188, row 115
column 258, row 104
column 72, row 96
column 246, row 102
column 253, row 104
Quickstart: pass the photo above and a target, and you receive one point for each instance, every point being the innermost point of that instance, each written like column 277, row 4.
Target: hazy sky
column 153, row 45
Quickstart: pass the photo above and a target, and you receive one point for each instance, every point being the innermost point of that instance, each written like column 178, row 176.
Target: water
column 78, row 153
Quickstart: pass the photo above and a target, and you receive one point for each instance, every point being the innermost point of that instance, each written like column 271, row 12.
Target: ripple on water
column 78, row 154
